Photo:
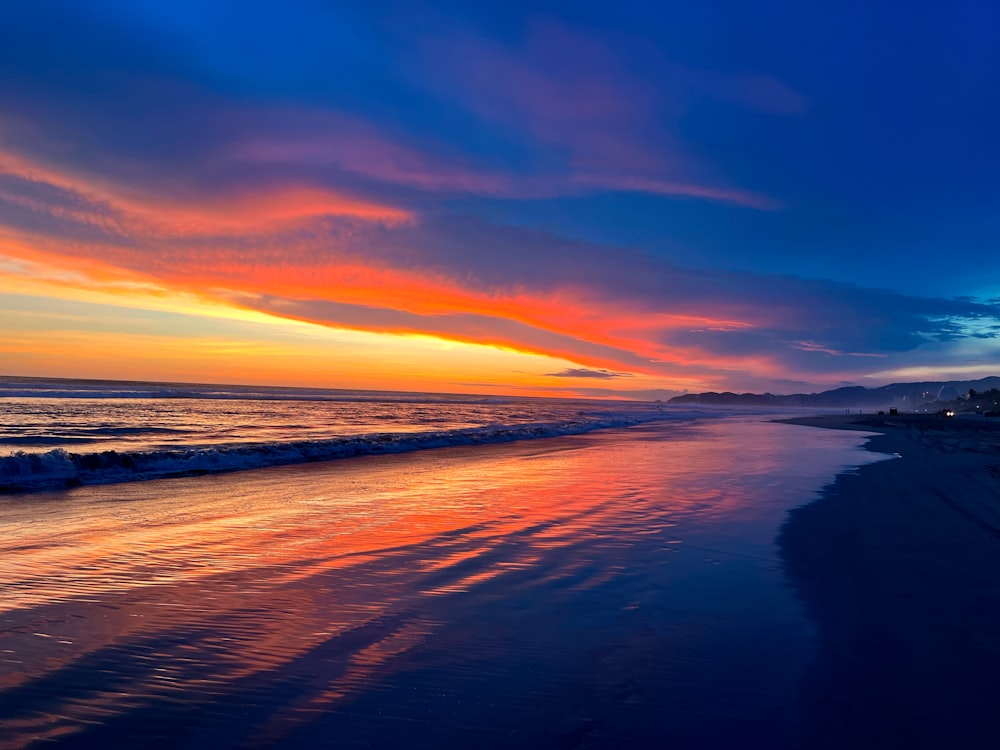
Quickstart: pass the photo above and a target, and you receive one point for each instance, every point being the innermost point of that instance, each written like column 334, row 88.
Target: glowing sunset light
column 572, row 201
column 57, row 336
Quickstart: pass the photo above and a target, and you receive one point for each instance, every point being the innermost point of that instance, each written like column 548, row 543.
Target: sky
column 549, row 198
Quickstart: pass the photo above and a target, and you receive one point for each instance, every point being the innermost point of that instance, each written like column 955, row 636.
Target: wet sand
column 899, row 564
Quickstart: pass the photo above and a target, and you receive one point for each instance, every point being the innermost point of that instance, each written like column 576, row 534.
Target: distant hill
column 909, row 396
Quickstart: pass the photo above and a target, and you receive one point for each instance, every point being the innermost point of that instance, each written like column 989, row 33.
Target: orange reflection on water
column 328, row 579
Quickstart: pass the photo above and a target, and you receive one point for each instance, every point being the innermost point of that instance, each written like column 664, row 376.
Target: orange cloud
column 603, row 336
column 238, row 212
column 560, row 325
column 310, row 254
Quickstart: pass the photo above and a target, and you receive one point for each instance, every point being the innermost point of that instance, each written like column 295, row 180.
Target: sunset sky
column 573, row 198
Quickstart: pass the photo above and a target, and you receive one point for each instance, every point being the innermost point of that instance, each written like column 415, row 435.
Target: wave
column 88, row 435
column 103, row 394
column 15, row 387
column 45, row 440
column 26, row 472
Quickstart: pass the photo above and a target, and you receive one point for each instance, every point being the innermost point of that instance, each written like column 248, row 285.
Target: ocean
column 468, row 571
column 59, row 433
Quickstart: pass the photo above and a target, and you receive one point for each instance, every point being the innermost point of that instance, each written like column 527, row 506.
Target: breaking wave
column 25, row 472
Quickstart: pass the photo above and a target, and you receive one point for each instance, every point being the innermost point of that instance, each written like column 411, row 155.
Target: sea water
column 65, row 433
column 616, row 587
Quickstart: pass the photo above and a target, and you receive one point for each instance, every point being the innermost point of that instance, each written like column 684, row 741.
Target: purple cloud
column 583, row 372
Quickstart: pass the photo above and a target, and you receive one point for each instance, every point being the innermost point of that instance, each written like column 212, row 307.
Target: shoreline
column 898, row 563
column 618, row 589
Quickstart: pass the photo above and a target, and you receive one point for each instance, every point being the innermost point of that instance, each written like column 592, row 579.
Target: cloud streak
column 583, row 372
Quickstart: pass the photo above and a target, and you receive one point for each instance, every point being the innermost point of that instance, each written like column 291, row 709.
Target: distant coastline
column 919, row 396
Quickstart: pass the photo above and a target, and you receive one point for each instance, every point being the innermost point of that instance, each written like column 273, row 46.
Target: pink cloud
column 683, row 189
column 240, row 210
column 357, row 147
column 564, row 89
column 570, row 93
column 360, row 149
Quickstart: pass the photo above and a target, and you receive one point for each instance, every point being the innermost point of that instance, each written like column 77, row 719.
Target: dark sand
column 899, row 564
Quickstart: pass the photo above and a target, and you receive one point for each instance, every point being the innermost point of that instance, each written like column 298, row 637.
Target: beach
column 899, row 566
column 699, row 584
